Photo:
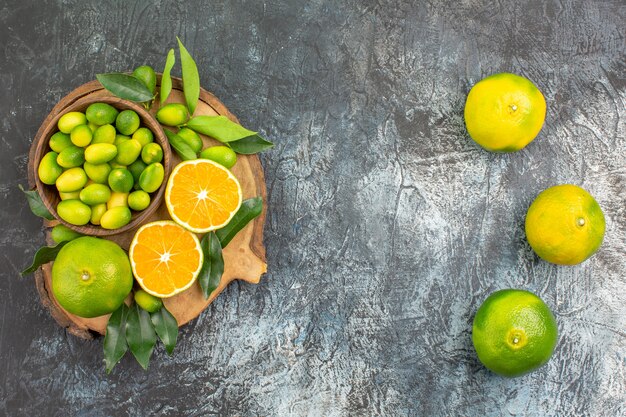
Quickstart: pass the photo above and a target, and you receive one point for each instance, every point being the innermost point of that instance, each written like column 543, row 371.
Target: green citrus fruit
column 119, row 139
column 143, row 135
column 121, row 180
column 565, row 225
column 148, row 302
column 117, row 200
column 223, row 155
column 62, row 233
column 95, row 194
column 71, row 157
column 97, row 173
column 504, row 112
column 71, row 180
column 97, row 212
column 104, row 134
column 81, row 135
column 99, row 153
column 146, row 75
column 91, row 277
column 49, row 170
column 74, row 212
column 192, row 138
column 70, row 120
column 152, row 152
column 138, row 200
column 152, row 177
column 60, row 141
column 173, row 114
column 136, row 168
column 127, row 122
column 514, row 332
column 115, row 217
column 101, row 113
column 127, row 152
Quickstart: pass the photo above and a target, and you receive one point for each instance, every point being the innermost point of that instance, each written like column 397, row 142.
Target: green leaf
column 140, row 335
column 191, row 79
column 125, row 86
column 250, row 145
column 213, row 266
column 181, row 147
column 36, row 205
column 115, row 345
column 166, row 79
column 43, row 256
column 249, row 209
column 219, row 127
column 166, row 327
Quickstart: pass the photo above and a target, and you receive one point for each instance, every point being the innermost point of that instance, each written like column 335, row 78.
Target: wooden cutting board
column 244, row 257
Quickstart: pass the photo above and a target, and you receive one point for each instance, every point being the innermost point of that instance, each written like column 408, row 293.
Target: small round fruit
column 223, row 155
column 49, row 170
column 148, row 302
column 147, row 76
column 127, row 122
column 62, row 233
column 127, row 152
column 97, row 173
column 95, row 194
column 504, row 112
column 136, row 168
column 60, row 141
column 121, row 180
column 143, row 135
column 152, row 177
column 173, row 114
column 100, row 153
column 119, row 139
column 138, row 200
column 91, row 277
column 514, row 332
column 115, row 217
column 104, row 134
column 71, row 157
column 81, row 135
column 152, row 152
column 70, row 120
column 74, row 212
column 192, row 138
column 101, row 113
column 117, row 200
column 74, row 195
column 97, row 212
column 565, row 225
column 71, row 180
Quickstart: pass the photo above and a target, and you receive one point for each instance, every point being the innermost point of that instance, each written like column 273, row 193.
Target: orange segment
column 202, row 195
column 166, row 258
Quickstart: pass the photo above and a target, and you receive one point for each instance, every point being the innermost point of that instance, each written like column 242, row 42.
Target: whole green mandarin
column 121, row 180
column 152, row 152
column 104, row 134
column 127, row 122
column 127, row 152
column 116, row 217
column 146, row 75
column 72, row 156
column 173, row 114
column 223, row 155
column 97, row 173
column 143, row 135
column 95, row 194
column 74, row 212
column 49, row 170
column 71, row 180
column 138, row 200
column 70, row 120
column 192, row 138
column 101, row 113
column 148, row 302
column 152, row 177
column 59, row 141
column 81, row 135
column 100, row 153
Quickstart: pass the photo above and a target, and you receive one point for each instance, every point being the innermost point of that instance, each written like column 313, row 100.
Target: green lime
column 138, row 200
column 127, row 122
column 71, row 180
column 91, row 277
column 100, row 153
column 143, row 135
column 81, row 135
column 514, row 332
column 117, row 200
column 152, row 152
column 223, row 155
column 146, row 75
column 70, row 120
column 121, row 180
column 104, row 134
column 192, row 138
column 97, row 173
column 71, row 157
column 60, row 141
column 95, row 194
column 74, row 212
column 115, row 217
column 101, row 113
column 62, row 233
column 136, row 168
column 173, row 114
column 152, row 177
column 148, row 302
column 128, row 151
column 49, row 170
column 97, row 212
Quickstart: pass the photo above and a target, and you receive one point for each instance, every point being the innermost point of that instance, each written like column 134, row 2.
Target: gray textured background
column 387, row 225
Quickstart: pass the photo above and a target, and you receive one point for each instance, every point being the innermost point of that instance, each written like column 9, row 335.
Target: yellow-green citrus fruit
column 138, row 200
column 116, row 165
column 96, row 213
column 70, row 120
column 143, row 135
column 120, row 138
column 95, row 194
column 117, row 200
column 223, row 155
column 152, row 177
column 74, row 212
column 49, row 170
column 565, row 225
column 91, row 277
column 97, row 173
column 100, row 153
column 148, row 302
column 121, row 180
column 71, row 180
column 73, row 195
column 514, row 332
column 81, row 135
column 59, row 141
column 152, row 152
column 173, row 114
column 192, row 138
column 104, row 134
column 71, row 157
column 92, row 127
column 62, row 233
column 504, row 112
column 127, row 122
column 127, row 152
column 115, row 217
column 146, row 75
column 101, row 113
column 136, row 168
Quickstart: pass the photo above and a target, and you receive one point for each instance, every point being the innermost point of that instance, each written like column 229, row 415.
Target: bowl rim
column 42, row 147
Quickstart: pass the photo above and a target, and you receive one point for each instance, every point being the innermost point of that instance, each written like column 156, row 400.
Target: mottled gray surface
column 387, row 225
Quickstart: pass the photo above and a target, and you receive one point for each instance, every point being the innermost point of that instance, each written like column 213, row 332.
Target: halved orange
column 166, row 258
column 202, row 195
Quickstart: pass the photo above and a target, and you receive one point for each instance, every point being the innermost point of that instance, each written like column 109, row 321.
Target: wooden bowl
column 50, row 195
